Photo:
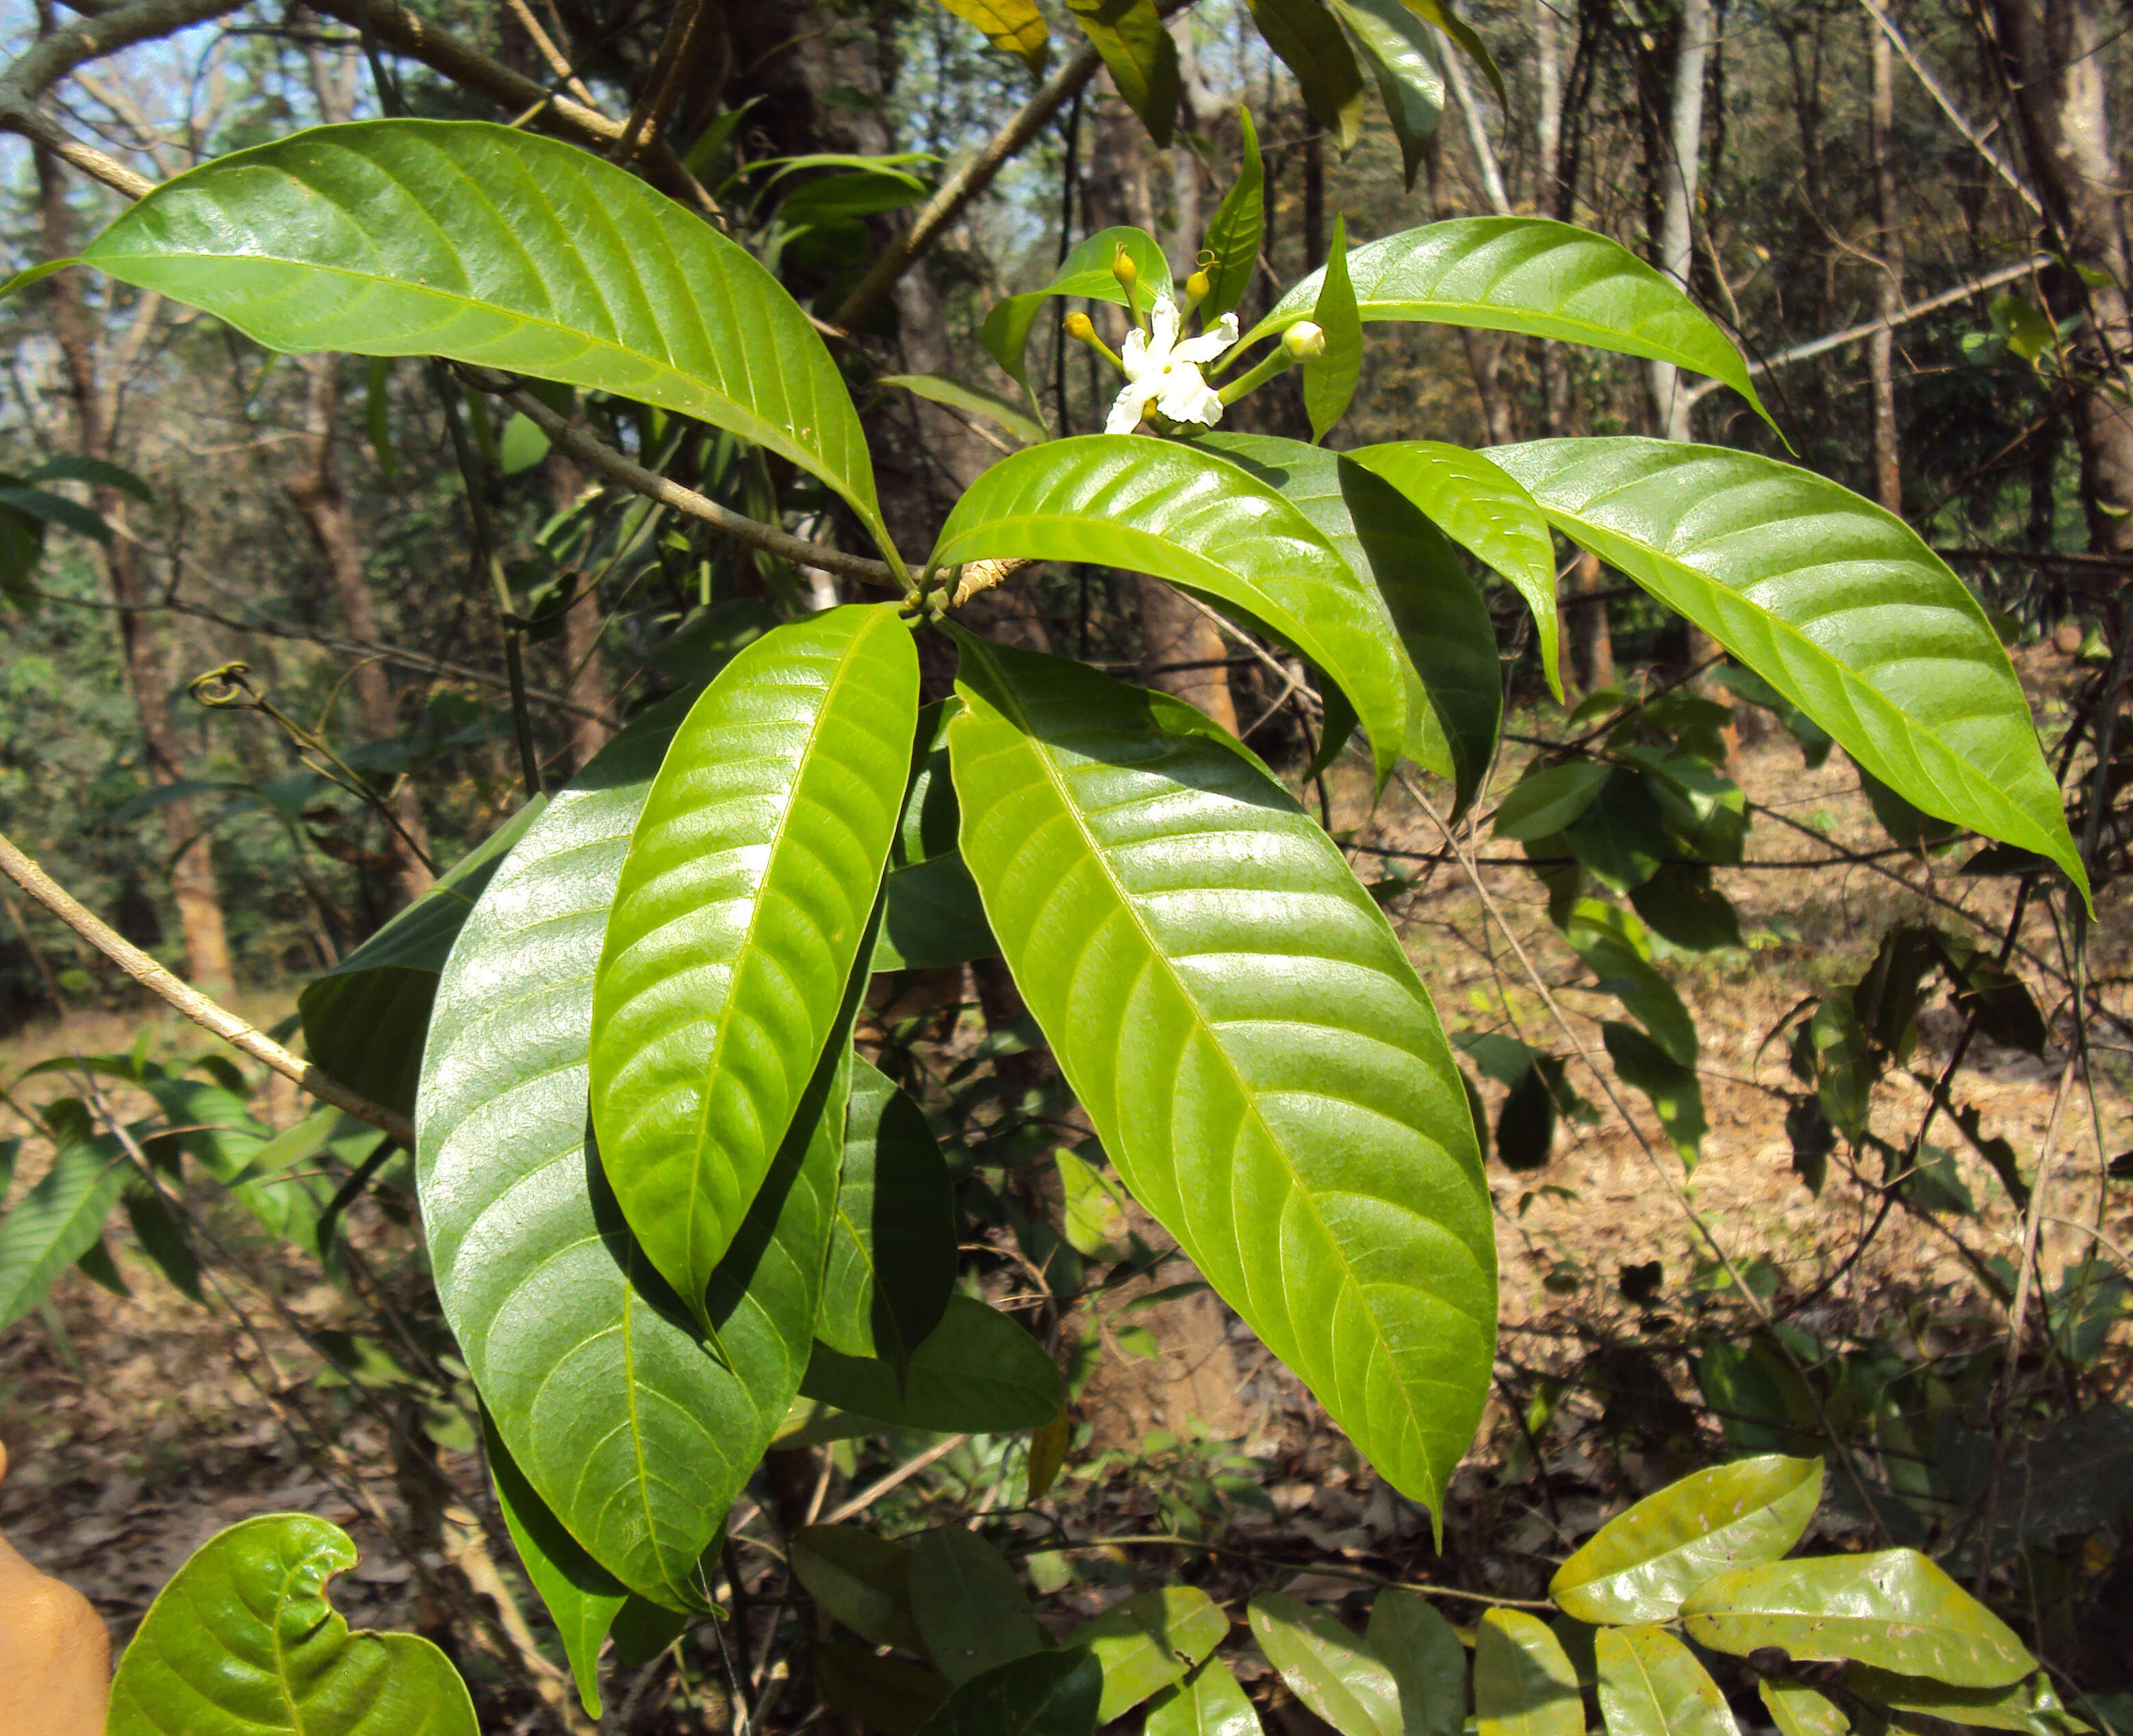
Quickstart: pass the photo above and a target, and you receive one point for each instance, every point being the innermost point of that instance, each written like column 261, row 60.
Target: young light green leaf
column 1207, row 1703
column 632, row 1433
column 1797, row 1710
column 1455, row 683
column 364, row 1020
column 1482, row 507
column 1641, row 1564
column 57, row 1222
column 1893, row 1610
column 582, row 1598
column 499, row 247
column 1095, row 1221
column 893, row 1246
column 1837, row 604
column 1295, row 1120
column 1427, row 1663
column 970, row 1609
column 1149, row 1642
column 860, row 1579
column 1142, row 58
column 1044, row 1693
column 959, row 395
column 1523, row 1685
column 1329, row 379
column 1533, row 276
column 1202, row 522
column 1402, row 54
column 1014, row 26
column 1327, row 1666
column 1086, row 273
column 977, row 1373
column 737, row 920
column 1651, row 1684
column 1232, row 248
column 1309, row 43
column 242, row 1641
column 1674, row 1092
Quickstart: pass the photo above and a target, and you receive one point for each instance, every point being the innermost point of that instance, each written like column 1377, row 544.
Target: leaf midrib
column 1156, row 952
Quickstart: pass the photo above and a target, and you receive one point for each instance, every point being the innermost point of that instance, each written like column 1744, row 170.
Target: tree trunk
column 1881, row 348
column 1485, row 350
column 1670, row 406
column 585, row 667
column 147, row 671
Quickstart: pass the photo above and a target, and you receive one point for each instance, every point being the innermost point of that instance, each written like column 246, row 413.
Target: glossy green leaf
column 737, row 922
column 1086, row 273
column 1675, row 1091
column 970, row 1609
column 582, row 1597
column 1325, row 1666
column 1837, row 605
column 1523, row 1685
column 503, row 248
column 1613, row 945
column 1201, row 521
column 885, row 1694
column 860, row 1578
column 2032, row 1706
column 1014, row 26
column 977, row 1373
column 1207, row 1703
column 364, row 1019
column 1797, row 1710
column 1140, row 55
column 1651, row 1684
column 1310, row 44
column 1044, row 1693
column 893, row 1246
column 57, row 1222
column 1147, row 1643
column 1482, row 507
column 243, row 1641
column 1544, row 801
column 1402, row 56
column 1455, row 683
column 1642, row 1564
column 1329, row 379
column 1233, row 237
column 960, row 395
column 1532, row 276
column 635, row 1436
column 1295, row 1119
column 1893, row 1610
column 1428, row 1664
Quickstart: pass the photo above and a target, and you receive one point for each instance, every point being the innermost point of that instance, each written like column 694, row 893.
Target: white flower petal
column 1163, row 316
column 1135, row 355
column 1130, row 405
column 1209, row 344
column 1187, row 397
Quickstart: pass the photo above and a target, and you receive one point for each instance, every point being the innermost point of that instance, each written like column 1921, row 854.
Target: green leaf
column 737, row 920
column 1204, row 523
column 582, row 1598
column 886, row 1693
column 893, row 1246
column 1329, row 380
column 1612, row 943
column 521, row 446
column 958, row 395
column 242, row 1640
column 2032, row 1706
column 377, row 416
column 1837, row 604
column 633, row 1433
column 1542, row 802
column 1327, row 1666
column 1143, row 59
column 162, row 1236
column 1480, row 506
column 1440, row 13
column 365, row 1019
column 1641, row 1564
column 1149, row 1642
column 1797, row 1710
column 499, row 247
column 970, row 1609
column 50, row 508
column 1621, row 836
column 1233, row 237
column 1523, row 1685
column 1094, row 1220
column 1651, row 1684
column 1428, row 1664
column 57, row 1222
column 1045, row 1694
column 932, row 915
column 1310, row 44
column 1675, row 1093
column 1680, row 904
column 1014, row 26
column 98, row 472
column 1207, row 1703
column 860, row 1580
column 1843, row 1068
column 36, row 273
column 1893, row 1610
column 1086, row 273
column 1533, row 276
column 1148, row 890
column 978, row 1373
column 1410, row 83
column 1455, row 683
column 643, row 1629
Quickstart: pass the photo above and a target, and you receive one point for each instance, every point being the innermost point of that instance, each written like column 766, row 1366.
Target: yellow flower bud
column 1080, row 327
column 1198, row 288
column 1304, row 341
column 1123, row 269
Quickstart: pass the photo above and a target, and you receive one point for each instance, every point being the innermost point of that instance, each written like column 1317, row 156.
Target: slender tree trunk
column 1881, row 348
column 148, row 669
column 1485, row 350
column 585, row 666
column 1314, row 194
column 1670, row 407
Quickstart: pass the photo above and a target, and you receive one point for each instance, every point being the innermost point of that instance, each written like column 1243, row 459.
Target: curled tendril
column 1205, row 258
column 225, row 688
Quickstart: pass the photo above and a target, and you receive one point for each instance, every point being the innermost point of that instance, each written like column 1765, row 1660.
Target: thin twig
column 904, row 1472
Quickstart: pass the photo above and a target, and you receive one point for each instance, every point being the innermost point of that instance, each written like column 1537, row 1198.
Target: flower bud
column 1123, row 269
column 1304, row 341
column 1080, row 327
column 1198, row 288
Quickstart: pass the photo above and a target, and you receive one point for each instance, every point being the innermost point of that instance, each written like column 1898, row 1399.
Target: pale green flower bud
column 1304, row 341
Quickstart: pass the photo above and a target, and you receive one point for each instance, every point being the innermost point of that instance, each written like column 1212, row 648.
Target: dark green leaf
column 1327, row 1667
column 1329, row 379
column 1651, row 1684
column 1410, row 84
column 977, row 1373
column 1427, row 1663
column 1907, row 827
column 50, row 508
column 97, row 1265
column 887, row 1694
column 1676, row 1095
column 2032, row 1706
column 1680, row 904
column 161, row 1237
column 57, row 1222
column 98, row 472
column 859, row 1580
column 1233, row 237
column 1844, row 1070
column 1046, row 1693
column 1086, row 273
column 1149, row 1642
column 1310, row 44
column 1544, row 801
column 1621, row 836
column 1523, row 1685
column 1142, row 58
column 642, row 1629
column 1525, row 1124
column 1612, row 943
column 970, row 1609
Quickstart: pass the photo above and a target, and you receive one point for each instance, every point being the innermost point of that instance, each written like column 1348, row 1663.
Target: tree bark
column 585, row 666
column 146, row 665
column 1881, row 349
column 1670, row 405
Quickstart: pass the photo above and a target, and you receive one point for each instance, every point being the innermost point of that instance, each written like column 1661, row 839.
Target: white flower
column 1162, row 370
